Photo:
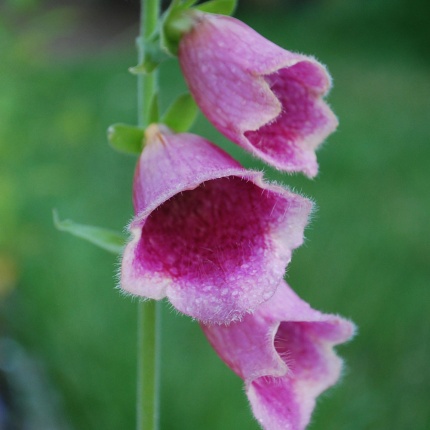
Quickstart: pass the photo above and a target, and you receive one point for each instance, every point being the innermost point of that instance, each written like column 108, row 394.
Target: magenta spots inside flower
column 216, row 234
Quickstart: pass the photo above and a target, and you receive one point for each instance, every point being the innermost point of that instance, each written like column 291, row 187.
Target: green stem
column 147, row 83
column 147, row 365
column 149, row 311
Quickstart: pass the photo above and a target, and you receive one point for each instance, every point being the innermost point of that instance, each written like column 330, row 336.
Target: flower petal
column 205, row 229
column 262, row 97
column 284, row 353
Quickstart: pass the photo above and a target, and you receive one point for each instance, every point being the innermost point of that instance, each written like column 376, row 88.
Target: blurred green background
column 67, row 335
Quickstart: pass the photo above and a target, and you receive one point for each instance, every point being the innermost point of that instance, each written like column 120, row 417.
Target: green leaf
column 222, row 7
column 140, row 69
column 126, row 138
column 181, row 114
column 108, row 240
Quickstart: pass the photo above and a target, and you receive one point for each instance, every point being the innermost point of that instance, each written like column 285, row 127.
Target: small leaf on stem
column 126, row 138
column 181, row 114
column 106, row 239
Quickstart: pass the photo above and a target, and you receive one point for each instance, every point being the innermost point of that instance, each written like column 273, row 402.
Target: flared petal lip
column 252, row 175
column 290, row 62
column 310, row 143
column 280, row 369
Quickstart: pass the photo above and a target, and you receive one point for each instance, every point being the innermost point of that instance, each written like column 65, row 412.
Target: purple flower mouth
column 218, row 238
column 305, row 120
column 209, row 231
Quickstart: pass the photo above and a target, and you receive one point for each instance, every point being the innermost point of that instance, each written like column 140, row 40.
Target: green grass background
column 367, row 254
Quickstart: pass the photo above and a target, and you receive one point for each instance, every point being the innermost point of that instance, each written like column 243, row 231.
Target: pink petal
column 206, row 229
column 262, row 97
column 284, row 352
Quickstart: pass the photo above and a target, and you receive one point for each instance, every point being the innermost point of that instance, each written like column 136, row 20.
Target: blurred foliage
column 366, row 257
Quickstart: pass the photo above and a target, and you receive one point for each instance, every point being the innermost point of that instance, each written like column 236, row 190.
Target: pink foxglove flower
column 284, row 353
column 262, row 97
column 206, row 229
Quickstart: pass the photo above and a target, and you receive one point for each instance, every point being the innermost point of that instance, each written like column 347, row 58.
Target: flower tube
column 206, row 229
column 260, row 96
column 284, row 353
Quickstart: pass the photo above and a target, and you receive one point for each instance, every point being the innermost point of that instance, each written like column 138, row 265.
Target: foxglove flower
column 284, row 353
column 260, row 96
column 206, row 229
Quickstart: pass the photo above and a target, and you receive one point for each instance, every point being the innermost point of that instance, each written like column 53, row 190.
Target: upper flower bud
column 260, row 96
column 206, row 229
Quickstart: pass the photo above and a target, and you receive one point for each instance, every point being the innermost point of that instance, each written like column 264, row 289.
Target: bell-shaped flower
column 260, row 96
column 284, row 353
column 206, row 229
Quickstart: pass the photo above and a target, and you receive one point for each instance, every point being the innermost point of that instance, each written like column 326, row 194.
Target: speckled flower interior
column 216, row 238
column 209, row 231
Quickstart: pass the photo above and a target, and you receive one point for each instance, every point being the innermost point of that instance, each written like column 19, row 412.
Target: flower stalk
column 147, row 82
column 147, row 365
column 148, row 311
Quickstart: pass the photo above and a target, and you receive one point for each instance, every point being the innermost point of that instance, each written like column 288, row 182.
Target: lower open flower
column 206, row 229
column 284, row 353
